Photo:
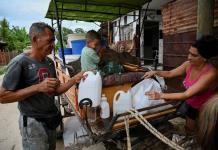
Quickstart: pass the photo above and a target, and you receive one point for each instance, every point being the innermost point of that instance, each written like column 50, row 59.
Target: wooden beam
column 152, row 116
column 205, row 17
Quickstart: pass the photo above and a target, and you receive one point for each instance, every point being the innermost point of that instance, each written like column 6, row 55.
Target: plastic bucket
column 77, row 46
column 67, row 51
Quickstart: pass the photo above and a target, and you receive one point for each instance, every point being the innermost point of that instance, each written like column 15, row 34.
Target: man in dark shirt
column 31, row 81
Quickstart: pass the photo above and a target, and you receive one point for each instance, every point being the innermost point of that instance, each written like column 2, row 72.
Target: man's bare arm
column 7, row 96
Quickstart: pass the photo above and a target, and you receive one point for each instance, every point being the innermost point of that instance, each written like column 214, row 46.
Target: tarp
column 93, row 10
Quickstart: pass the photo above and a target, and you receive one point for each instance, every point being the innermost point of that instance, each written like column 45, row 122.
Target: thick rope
column 156, row 133
column 126, row 120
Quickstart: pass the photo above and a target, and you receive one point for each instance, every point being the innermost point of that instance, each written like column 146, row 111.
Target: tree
column 16, row 38
column 4, row 30
column 65, row 32
column 79, row 30
column 20, row 38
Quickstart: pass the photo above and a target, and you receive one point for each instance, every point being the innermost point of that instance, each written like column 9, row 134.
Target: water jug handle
column 117, row 95
column 88, row 73
column 98, row 73
column 85, row 101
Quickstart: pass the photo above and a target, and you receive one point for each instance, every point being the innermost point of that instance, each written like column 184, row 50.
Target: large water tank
column 67, row 51
column 77, row 46
column 74, row 36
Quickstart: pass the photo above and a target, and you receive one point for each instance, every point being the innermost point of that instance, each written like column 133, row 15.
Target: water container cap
column 104, row 97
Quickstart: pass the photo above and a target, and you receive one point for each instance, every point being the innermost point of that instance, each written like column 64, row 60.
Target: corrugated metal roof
column 93, row 10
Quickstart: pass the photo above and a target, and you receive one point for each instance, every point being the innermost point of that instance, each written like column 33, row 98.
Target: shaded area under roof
column 93, row 10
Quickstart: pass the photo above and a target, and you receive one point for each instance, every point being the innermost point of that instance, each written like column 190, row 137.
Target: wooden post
column 108, row 33
column 205, row 17
column 119, row 29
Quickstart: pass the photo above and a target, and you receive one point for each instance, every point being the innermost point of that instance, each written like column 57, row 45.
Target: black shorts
column 191, row 112
column 188, row 111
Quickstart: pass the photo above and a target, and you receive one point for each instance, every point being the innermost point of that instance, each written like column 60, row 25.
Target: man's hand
column 149, row 74
column 48, row 85
column 79, row 76
column 153, row 95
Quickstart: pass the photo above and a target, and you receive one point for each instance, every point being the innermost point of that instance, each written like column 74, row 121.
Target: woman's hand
column 149, row 74
column 153, row 95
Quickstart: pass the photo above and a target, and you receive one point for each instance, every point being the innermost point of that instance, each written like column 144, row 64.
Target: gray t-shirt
column 23, row 72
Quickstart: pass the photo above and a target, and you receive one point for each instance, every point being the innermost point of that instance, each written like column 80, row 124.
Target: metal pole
column 52, row 24
column 59, row 31
column 119, row 26
column 119, row 30
column 145, row 16
column 138, row 54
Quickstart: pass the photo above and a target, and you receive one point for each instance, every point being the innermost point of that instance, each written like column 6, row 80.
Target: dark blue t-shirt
column 23, row 72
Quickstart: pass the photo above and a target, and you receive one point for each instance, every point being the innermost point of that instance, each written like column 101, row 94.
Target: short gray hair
column 38, row 28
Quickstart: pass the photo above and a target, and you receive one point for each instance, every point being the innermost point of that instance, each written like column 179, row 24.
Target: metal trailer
column 100, row 10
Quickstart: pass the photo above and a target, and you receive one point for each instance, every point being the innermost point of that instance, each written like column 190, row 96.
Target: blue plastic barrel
column 77, row 46
column 67, row 51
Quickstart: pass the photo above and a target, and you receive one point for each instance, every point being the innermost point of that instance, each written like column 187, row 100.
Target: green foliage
column 65, row 32
column 16, row 38
column 20, row 38
column 79, row 30
column 2, row 70
column 4, row 30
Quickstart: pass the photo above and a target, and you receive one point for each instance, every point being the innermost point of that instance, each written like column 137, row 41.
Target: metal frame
column 75, row 10
column 96, row 4
column 59, row 22
column 59, row 30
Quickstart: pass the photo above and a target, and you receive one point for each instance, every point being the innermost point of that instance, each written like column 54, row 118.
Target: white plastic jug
column 91, row 88
column 122, row 102
column 105, row 108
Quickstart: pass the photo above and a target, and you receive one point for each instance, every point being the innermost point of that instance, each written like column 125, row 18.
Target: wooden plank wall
column 179, row 30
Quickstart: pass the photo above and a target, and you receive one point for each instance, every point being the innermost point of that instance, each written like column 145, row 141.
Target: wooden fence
column 5, row 57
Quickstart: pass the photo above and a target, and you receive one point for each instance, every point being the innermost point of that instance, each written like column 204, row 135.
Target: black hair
column 207, row 46
column 92, row 34
column 38, row 28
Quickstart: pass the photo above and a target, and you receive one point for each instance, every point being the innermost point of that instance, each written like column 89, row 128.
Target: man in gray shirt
column 31, row 81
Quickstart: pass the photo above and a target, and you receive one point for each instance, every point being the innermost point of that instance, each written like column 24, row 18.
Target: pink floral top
column 198, row 100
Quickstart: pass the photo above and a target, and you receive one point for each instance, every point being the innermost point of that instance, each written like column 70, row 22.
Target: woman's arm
column 201, row 85
column 169, row 74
